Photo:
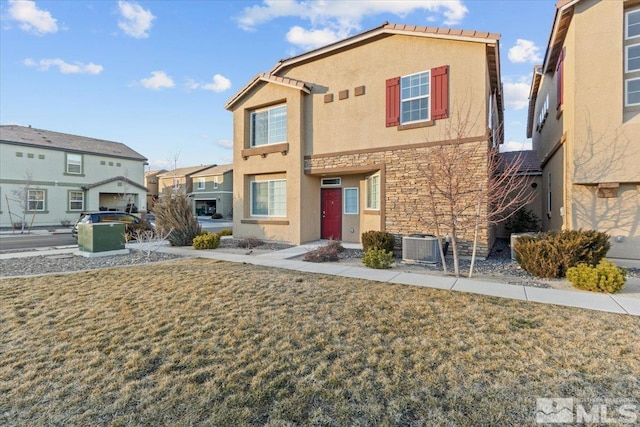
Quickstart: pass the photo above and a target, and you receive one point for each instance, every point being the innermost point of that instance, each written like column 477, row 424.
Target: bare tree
column 21, row 198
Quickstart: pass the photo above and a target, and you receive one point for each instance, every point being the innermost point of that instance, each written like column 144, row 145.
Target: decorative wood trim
column 400, row 147
column 263, row 150
column 343, row 94
column 328, row 98
column 265, row 221
column 608, row 190
column 358, row 91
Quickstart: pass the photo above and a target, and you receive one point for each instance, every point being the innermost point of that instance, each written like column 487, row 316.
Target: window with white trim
column 200, row 184
column 74, row 163
column 633, row 58
column 215, row 182
column 269, row 126
column 632, row 24
column 373, row 192
column 414, row 97
column 351, row 201
column 36, row 200
column 269, row 198
column 632, row 92
column 549, row 194
column 76, row 200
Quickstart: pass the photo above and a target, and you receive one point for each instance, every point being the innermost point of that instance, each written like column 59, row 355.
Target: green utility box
column 101, row 237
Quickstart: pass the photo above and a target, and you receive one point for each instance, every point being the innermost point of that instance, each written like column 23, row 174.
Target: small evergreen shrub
column 378, row 258
column 206, row 241
column 225, row 232
column 216, row 216
column 326, row 253
column 377, row 240
column 249, row 242
column 523, row 221
column 550, row 254
column 605, row 277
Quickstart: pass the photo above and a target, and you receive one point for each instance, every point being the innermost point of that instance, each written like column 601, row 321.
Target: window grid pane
column 633, row 24
column 415, row 97
column 373, row 192
column 350, row 200
column 277, row 198
column 74, row 163
column 633, row 58
column 259, row 126
column 76, row 201
column 35, row 200
column 269, row 126
column 633, row 92
column 277, row 125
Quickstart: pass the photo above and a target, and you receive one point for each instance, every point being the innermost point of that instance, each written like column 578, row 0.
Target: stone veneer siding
column 406, row 204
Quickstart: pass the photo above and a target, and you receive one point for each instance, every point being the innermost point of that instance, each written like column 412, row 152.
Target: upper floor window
column 633, row 58
column 269, row 126
column 414, row 97
column 200, row 184
column 373, row 192
column 35, row 200
column 215, row 182
column 74, row 163
column 632, row 92
column 632, row 24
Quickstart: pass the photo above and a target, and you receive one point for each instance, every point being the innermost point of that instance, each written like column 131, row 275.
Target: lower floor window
column 269, row 198
column 351, row 201
column 373, row 192
column 76, row 200
column 632, row 92
column 35, row 200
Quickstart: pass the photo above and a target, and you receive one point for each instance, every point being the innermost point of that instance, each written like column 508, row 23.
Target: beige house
column 151, row 182
column 327, row 144
column 584, row 120
column 47, row 178
column 213, row 191
column 178, row 179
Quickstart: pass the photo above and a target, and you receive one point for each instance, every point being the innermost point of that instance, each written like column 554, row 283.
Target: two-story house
column 213, row 191
column 327, row 144
column 178, row 179
column 48, row 178
column 584, row 121
column 153, row 190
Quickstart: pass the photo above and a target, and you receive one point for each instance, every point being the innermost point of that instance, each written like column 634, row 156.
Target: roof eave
column 265, row 78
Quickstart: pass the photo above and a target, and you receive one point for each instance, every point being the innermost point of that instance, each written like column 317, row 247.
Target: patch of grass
column 201, row 342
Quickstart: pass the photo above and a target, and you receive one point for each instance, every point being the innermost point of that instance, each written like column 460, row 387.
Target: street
column 34, row 240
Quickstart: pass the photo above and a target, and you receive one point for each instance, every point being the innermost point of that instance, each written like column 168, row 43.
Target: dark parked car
column 132, row 222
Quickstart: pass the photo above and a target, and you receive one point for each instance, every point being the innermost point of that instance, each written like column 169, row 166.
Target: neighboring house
column 54, row 176
column 213, row 191
column 327, row 144
column 178, row 179
column 529, row 170
column 584, row 118
column 151, row 182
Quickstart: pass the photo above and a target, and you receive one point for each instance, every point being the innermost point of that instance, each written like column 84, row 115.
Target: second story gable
column 387, row 87
column 178, row 179
column 217, row 178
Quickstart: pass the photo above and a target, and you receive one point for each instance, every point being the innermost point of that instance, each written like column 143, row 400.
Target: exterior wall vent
column 420, row 249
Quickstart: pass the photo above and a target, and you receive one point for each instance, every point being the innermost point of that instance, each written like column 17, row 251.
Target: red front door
column 331, row 227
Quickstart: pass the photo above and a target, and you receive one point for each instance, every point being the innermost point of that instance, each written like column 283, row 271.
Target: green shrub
column 523, row 221
column 378, row 258
column 550, row 254
column 605, row 277
column 225, row 232
column 216, row 216
column 206, row 241
column 377, row 240
column 326, row 253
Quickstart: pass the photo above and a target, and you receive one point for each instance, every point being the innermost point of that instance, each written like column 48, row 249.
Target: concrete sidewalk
column 283, row 259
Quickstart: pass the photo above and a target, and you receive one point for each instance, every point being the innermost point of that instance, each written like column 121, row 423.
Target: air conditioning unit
column 512, row 242
column 420, row 249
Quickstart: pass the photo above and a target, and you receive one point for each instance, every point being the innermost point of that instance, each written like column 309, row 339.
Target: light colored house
column 584, row 119
column 153, row 190
column 50, row 177
column 213, row 191
column 327, row 143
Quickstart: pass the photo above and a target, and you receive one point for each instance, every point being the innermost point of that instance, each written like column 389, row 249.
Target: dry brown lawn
column 202, row 342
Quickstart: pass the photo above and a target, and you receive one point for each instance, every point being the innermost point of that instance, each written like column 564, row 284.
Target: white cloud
column 342, row 18
column 64, row 67
column 158, row 80
column 136, row 21
column 525, row 51
column 516, row 94
column 31, row 18
column 225, row 143
column 220, row 84
column 515, row 146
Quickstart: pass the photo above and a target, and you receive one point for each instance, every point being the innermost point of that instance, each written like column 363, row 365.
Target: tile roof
column 530, row 165
column 190, row 170
column 23, row 135
column 214, row 170
column 268, row 78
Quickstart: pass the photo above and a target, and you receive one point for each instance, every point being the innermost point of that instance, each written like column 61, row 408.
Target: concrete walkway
column 283, row 259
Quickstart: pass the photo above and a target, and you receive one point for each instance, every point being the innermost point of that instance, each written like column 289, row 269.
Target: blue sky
column 155, row 75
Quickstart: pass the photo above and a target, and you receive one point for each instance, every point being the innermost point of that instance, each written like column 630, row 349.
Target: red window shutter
column 440, row 92
column 560, row 79
column 393, row 102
